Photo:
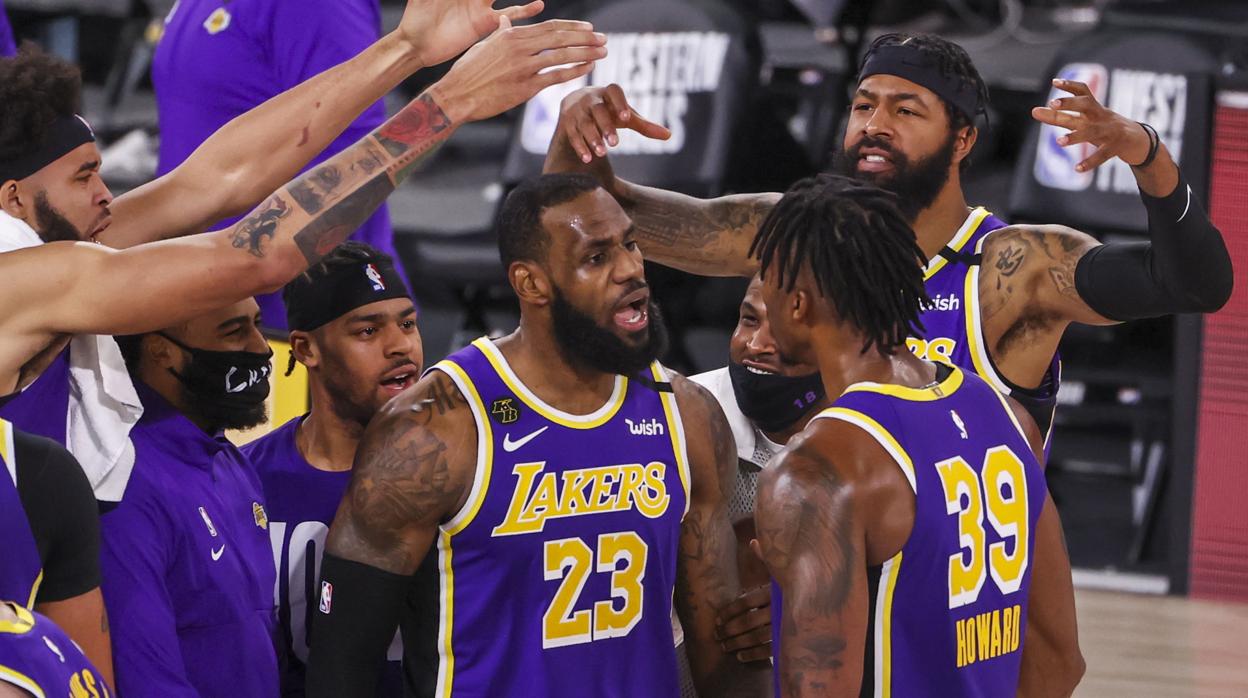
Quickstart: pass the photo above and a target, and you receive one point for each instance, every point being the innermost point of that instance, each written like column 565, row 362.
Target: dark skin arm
column 1052, row 663
column 709, row 237
column 812, row 538
column 707, row 579
column 413, row 469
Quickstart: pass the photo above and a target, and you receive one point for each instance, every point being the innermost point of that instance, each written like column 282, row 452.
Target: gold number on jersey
column 570, row 559
column 1003, row 471
column 84, row 685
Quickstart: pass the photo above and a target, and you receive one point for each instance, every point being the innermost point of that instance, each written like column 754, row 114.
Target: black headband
column 910, row 63
column 64, row 134
column 312, row 301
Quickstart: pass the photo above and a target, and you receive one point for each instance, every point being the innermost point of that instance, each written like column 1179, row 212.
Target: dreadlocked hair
column 861, row 251
column 952, row 61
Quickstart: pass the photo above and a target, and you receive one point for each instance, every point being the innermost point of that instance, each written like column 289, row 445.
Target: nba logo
column 327, row 597
column 375, row 276
column 1055, row 165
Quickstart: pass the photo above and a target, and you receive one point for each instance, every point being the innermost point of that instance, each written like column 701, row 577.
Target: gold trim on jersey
column 34, row 589
column 974, row 328
column 25, row 620
column 889, row 572
column 460, row 521
column 17, row 678
column 592, row 420
column 943, row 389
column 969, row 226
column 7, row 449
column 877, row 432
column 676, row 428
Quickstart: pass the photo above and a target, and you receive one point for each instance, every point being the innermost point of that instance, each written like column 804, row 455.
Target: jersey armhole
column 485, row 448
column 676, row 428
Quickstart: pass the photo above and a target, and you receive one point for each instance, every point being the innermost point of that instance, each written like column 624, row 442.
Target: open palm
column 439, row 30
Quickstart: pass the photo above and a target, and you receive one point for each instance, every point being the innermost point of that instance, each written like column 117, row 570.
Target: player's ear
column 964, row 142
column 11, row 200
column 304, row 348
column 799, row 306
column 161, row 352
column 530, row 282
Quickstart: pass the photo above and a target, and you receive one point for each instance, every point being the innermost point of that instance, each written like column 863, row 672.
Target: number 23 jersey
column 557, row 576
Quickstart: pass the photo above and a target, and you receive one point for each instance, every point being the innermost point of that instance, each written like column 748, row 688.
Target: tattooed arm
column 706, row 580
column 85, row 288
column 258, row 151
column 413, row 470
column 812, row 538
column 710, row 237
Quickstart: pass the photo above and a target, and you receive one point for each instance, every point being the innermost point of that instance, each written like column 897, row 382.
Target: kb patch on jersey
column 505, row 411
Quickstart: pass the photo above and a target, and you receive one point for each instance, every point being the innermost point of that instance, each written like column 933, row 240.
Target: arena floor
column 1162, row 646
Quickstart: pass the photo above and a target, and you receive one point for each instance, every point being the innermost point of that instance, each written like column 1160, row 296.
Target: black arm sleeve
column 1184, row 268
column 352, row 629
column 63, row 515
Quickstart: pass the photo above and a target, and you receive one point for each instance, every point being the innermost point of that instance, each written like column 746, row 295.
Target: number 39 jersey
column 557, row 575
column 949, row 610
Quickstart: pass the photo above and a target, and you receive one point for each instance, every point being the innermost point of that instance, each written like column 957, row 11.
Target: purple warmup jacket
column 188, row 571
column 218, row 60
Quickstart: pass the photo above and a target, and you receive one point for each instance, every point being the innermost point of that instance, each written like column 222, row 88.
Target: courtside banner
column 1163, row 80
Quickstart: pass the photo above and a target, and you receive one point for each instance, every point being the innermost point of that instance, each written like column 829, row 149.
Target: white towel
column 103, row 405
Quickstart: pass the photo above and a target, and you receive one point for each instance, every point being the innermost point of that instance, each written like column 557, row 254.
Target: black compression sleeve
column 63, row 515
column 352, row 628
column 1184, row 268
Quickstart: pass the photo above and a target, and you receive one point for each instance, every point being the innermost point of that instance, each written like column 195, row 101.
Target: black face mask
column 226, row 388
column 774, row 402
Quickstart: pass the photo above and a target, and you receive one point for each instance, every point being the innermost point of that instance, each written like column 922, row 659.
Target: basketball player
column 573, row 487
column 51, row 528
column 37, row 659
column 50, row 190
column 1002, row 296
column 353, row 325
column 767, row 399
column 908, row 527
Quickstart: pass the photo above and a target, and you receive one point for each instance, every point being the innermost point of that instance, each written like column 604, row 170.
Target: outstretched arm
column 706, row 581
column 813, row 542
column 257, row 152
column 710, row 237
column 85, row 288
column 1183, row 268
column 413, row 469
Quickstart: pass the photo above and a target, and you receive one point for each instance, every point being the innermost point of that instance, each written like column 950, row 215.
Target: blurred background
column 1148, row 452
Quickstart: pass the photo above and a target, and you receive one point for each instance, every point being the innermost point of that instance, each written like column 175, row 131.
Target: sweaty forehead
column 591, row 218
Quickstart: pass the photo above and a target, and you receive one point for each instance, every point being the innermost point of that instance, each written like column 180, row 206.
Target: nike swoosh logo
column 509, row 445
column 216, row 554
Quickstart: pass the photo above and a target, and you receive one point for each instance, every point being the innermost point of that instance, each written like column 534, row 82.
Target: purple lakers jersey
column 948, row 611
column 42, row 408
column 39, row 657
column 953, row 325
column 557, row 575
column 22, row 569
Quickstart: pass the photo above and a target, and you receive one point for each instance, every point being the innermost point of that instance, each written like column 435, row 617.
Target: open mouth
column 758, row 369
column 874, row 160
column 633, row 314
column 399, row 379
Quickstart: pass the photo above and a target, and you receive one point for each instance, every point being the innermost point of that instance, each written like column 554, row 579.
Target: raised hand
column 1089, row 122
column 514, row 64
column 589, row 117
column 439, row 30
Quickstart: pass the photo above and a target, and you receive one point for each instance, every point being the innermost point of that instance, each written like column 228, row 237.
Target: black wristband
column 1154, row 144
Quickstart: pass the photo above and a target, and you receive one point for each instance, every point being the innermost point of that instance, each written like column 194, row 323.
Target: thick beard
column 916, row 184
column 219, row 417
column 54, row 227
column 586, row 343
